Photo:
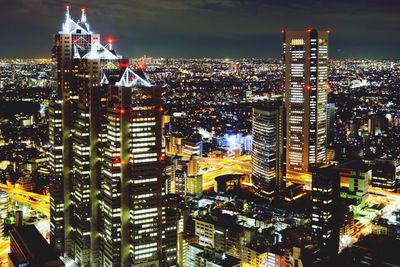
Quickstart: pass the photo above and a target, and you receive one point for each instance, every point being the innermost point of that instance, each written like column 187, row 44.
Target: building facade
column 305, row 55
column 268, row 157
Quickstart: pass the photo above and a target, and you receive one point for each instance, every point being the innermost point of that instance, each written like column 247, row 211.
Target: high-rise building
column 131, row 183
column 74, row 36
column 268, row 157
column 106, row 155
column 325, row 208
column 305, row 55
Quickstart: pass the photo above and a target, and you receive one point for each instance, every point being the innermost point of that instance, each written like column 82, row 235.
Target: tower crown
column 72, row 27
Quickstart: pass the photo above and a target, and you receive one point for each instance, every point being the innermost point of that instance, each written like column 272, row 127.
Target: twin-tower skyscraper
column 106, row 154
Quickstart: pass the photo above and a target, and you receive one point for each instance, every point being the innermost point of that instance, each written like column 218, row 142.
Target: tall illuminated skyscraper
column 74, row 36
column 268, row 158
column 106, row 156
column 305, row 55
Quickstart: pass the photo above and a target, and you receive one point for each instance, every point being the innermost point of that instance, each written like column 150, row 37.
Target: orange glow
column 161, row 109
column 328, row 86
column 139, row 66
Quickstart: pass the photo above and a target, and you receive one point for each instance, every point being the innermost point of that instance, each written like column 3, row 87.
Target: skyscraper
column 131, row 183
column 305, row 55
column 268, row 172
column 74, row 36
column 106, row 156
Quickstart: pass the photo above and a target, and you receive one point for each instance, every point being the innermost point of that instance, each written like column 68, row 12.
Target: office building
column 325, row 209
column 355, row 177
column 194, row 185
column 268, row 157
column 106, row 155
column 131, row 183
column 74, row 38
column 386, row 174
column 305, row 55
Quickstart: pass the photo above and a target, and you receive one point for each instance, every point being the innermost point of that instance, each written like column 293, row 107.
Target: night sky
column 206, row 28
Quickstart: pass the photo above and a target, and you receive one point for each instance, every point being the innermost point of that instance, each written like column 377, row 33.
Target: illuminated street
column 34, row 201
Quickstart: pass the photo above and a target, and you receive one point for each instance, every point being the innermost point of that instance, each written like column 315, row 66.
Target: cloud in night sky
column 207, row 28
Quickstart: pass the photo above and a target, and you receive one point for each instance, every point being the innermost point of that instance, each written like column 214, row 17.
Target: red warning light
column 116, row 160
column 328, row 31
column 308, row 30
column 83, row 10
column 307, row 87
column 161, row 109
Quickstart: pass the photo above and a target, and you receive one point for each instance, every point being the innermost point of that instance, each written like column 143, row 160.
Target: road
column 40, row 203
column 37, row 202
column 211, row 168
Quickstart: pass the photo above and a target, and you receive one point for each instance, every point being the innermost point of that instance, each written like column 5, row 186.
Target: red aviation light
column 161, row 158
column 328, row 31
column 83, row 10
column 116, row 160
column 123, row 63
column 161, row 109
column 307, row 87
column 308, row 30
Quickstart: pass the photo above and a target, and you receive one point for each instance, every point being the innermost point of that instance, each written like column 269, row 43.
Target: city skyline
column 213, row 28
column 108, row 160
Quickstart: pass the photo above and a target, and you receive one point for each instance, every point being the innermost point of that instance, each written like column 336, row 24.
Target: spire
column 109, row 45
column 83, row 17
column 67, row 15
